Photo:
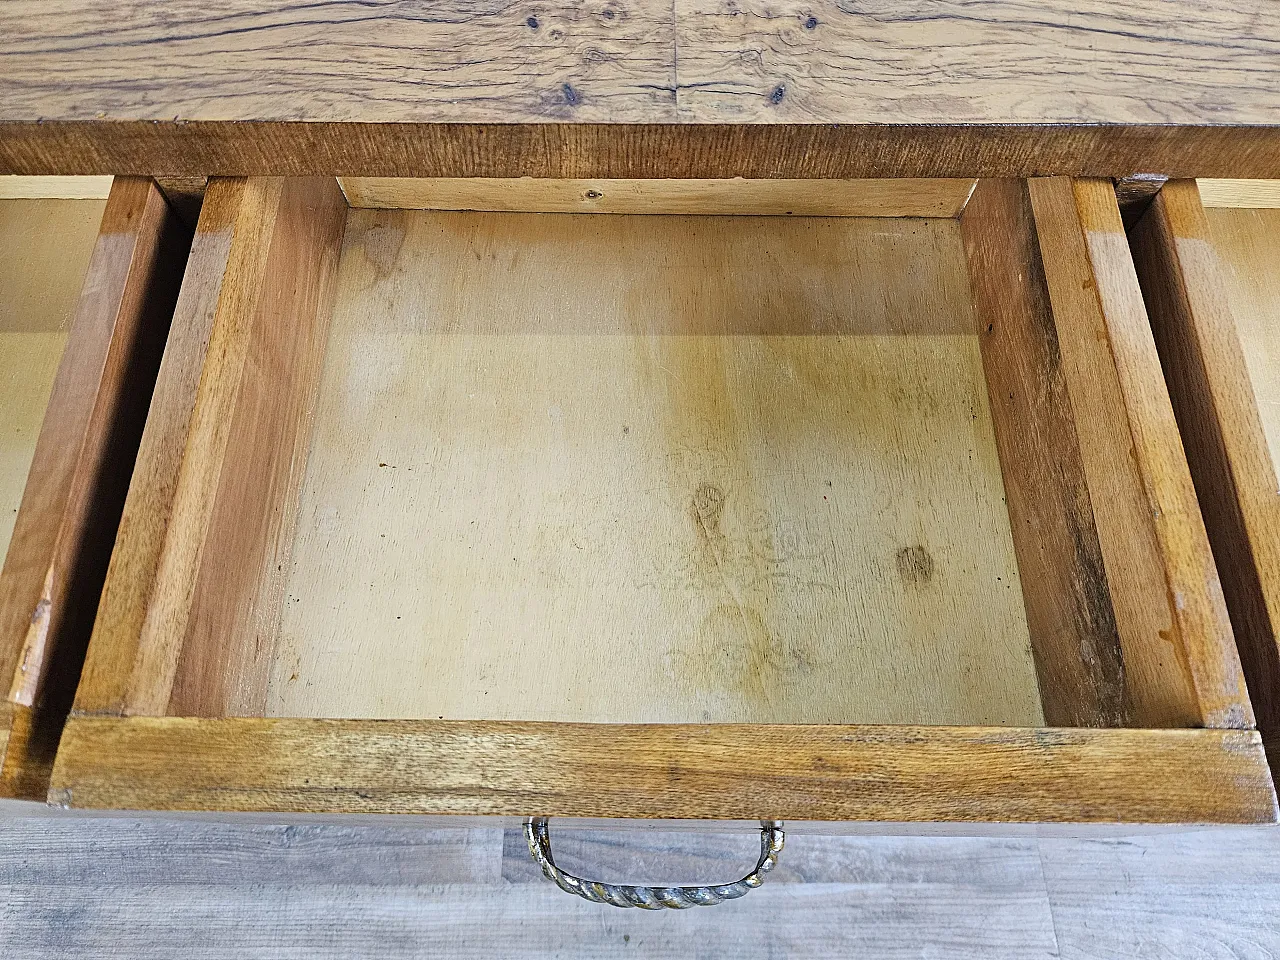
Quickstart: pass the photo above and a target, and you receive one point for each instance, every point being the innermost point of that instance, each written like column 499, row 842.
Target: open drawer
column 1208, row 257
column 876, row 511
column 89, row 272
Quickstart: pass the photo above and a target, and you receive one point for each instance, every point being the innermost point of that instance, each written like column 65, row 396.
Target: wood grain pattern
column 131, row 575
column 306, row 892
column 1245, row 241
column 1240, row 193
column 54, row 188
column 1180, row 659
column 640, row 88
column 265, row 409
column 1194, row 893
column 185, row 195
column 628, row 61
column 721, row 771
column 708, row 469
column 271, row 247
column 1069, row 610
column 830, row 61
column 1210, row 279
column 570, row 150
column 80, row 467
column 814, row 198
column 45, row 246
column 82, row 887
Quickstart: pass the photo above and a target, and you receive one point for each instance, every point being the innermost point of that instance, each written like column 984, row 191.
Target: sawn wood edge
column 636, row 150
column 665, row 771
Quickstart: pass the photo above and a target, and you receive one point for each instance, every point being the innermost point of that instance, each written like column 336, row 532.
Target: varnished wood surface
column 1180, row 657
column 104, row 683
column 234, row 377
column 670, row 469
column 720, row 771
column 1211, row 279
column 153, row 889
column 814, row 198
column 244, row 455
column 1070, row 615
column 81, row 462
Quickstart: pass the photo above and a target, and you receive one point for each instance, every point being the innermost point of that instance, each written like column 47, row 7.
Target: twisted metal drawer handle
column 538, row 834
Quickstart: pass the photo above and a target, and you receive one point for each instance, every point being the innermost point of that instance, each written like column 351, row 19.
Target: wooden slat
column 76, row 484
column 1196, row 332
column 814, row 198
column 1180, row 660
column 1240, row 193
column 1064, row 586
column 218, row 463
column 726, row 771
column 62, row 188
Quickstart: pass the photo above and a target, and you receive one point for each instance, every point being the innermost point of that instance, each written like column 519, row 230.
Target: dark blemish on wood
column 593, row 194
column 532, row 23
column 915, row 565
column 708, row 503
column 571, row 96
column 608, row 13
column 382, row 244
column 776, row 95
column 1099, row 636
column 625, row 429
column 990, row 327
column 811, row 23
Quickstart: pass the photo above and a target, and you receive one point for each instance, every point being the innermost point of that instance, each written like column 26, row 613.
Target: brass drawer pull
column 538, row 834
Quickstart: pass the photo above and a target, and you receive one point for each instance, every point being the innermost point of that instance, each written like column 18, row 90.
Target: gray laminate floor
column 190, row 889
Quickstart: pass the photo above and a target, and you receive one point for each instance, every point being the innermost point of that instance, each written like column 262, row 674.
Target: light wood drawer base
column 710, row 517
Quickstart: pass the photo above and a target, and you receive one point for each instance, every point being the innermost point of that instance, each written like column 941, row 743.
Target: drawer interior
column 484, row 464
column 652, row 469
column 45, row 245
column 648, row 500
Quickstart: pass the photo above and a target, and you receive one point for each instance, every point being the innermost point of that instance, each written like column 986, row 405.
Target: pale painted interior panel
column 1248, row 245
column 682, row 469
column 45, row 247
